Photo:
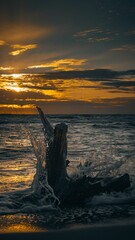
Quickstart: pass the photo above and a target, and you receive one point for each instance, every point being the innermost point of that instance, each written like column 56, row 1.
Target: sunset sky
column 67, row 56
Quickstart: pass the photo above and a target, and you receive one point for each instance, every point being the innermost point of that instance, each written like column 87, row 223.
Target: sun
column 14, row 82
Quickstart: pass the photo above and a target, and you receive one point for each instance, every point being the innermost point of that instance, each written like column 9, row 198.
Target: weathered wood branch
column 71, row 191
column 48, row 129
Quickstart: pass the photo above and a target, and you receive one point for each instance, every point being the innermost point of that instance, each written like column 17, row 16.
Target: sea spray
column 40, row 196
column 96, row 165
column 40, row 184
column 99, row 164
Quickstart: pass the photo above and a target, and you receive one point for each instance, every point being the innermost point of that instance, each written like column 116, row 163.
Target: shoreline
column 111, row 232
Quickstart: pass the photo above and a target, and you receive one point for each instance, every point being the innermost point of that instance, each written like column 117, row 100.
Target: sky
column 67, row 56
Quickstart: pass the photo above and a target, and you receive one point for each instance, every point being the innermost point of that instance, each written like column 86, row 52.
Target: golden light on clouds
column 62, row 64
column 84, row 90
column 17, row 75
column 19, row 223
column 15, row 87
column 21, row 227
column 20, row 92
column 17, row 108
column 6, row 68
column 10, row 82
column 2, row 42
column 54, row 94
column 21, row 48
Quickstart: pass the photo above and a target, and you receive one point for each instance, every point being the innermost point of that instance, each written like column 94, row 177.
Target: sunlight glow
column 19, row 223
column 13, row 86
column 16, row 75
column 20, row 227
column 61, row 64
column 12, row 82
column 13, row 75
column 21, row 48
column 6, row 68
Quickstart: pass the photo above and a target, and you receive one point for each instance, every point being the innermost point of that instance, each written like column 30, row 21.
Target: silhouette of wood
column 71, row 191
column 56, row 158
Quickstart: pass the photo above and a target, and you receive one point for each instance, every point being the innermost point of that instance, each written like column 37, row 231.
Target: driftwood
column 71, row 191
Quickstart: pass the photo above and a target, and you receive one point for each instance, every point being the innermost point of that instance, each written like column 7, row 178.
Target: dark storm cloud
column 122, row 80
column 43, row 87
column 95, row 75
column 121, row 84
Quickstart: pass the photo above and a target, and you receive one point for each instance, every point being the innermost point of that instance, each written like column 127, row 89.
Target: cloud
column 62, row 64
column 121, row 83
column 95, row 35
column 130, row 33
column 106, row 106
column 124, row 48
column 99, row 89
column 95, row 74
column 96, row 40
column 17, row 108
column 84, row 33
column 108, row 79
column 27, row 88
column 55, row 83
column 8, row 96
column 21, row 48
column 2, row 43
column 8, row 68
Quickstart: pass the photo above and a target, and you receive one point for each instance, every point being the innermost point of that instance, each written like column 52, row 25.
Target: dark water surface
column 107, row 141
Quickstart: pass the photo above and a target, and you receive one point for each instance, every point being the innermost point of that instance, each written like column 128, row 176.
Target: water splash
column 105, row 164
column 40, row 184
column 99, row 164
column 40, row 196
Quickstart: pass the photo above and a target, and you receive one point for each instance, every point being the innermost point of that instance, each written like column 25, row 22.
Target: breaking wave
column 40, row 196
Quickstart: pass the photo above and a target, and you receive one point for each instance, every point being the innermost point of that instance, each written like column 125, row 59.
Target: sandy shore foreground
column 110, row 232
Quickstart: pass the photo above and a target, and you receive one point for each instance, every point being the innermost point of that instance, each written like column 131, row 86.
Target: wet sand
column 107, row 232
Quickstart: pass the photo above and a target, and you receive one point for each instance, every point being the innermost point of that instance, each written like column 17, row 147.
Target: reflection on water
column 19, row 223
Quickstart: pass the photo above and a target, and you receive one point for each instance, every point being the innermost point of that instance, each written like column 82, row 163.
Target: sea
column 98, row 145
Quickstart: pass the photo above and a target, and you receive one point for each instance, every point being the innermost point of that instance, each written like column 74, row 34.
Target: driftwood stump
column 56, row 159
column 71, row 191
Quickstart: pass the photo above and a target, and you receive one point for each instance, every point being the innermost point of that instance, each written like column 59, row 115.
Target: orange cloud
column 62, row 64
column 21, row 48
column 17, row 108
column 2, row 42
column 6, row 68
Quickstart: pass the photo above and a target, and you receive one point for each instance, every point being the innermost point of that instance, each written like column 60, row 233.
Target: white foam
column 39, row 197
column 112, row 198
